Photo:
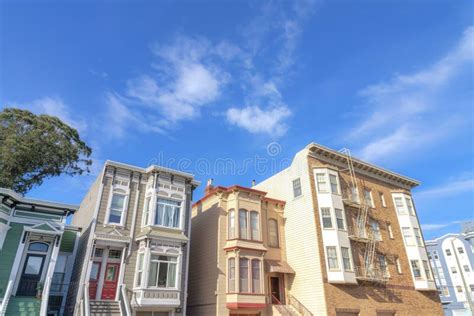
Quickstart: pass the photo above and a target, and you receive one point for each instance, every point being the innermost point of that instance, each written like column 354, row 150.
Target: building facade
column 452, row 261
column 238, row 254
column 352, row 237
column 37, row 251
column 133, row 253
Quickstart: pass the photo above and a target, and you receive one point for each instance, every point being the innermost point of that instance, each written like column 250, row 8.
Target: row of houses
column 329, row 235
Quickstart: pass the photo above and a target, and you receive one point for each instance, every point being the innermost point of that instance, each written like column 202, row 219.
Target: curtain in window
column 116, row 208
column 244, row 275
column 171, row 275
column 231, row 275
column 255, row 276
column 168, row 213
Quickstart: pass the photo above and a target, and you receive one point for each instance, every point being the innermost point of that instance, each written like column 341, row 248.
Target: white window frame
column 178, row 264
column 229, row 280
column 417, row 267
column 408, row 238
column 410, row 206
column 390, row 231
column 323, row 216
column 140, row 269
column 399, row 266
column 342, row 218
column 401, row 209
column 384, row 267
column 322, row 186
column 370, row 200
column 349, row 259
column 375, row 232
column 147, row 210
column 382, row 199
column 3, row 233
column 231, row 224
column 426, row 268
column 333, row 259
column 335, row 177
column 418, row 238
column 258, row 235
column 297, row 190
column 180, row 217
column 118, row 186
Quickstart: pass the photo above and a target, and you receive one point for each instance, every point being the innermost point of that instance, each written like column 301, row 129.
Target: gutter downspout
column 188, row 253
column 467, row 290
column 90, row 242
column 134, row 219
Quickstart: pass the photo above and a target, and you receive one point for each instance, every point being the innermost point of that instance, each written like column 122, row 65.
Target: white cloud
column 438, row 226
column 53, row 106
column 255, row 120
column 455, row 187
column 403, row 111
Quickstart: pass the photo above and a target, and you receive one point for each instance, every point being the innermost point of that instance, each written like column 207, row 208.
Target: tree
column 36, row 147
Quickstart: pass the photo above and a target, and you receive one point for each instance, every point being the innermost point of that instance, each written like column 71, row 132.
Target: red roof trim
column 245, row 305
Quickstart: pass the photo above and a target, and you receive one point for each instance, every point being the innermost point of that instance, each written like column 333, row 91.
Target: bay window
column 407, row 235
column 321, row 183
column 339, row 219
column 244, row 275
column 249, row 225
column 162, row 271
column 399, row 206
column 243, row 224
column 138, row 281
column 415, row 266
column 255, row 276
column 231, row 276
column 333, row 182
column 326, row 215
column 255, row 232
column 231, row 222
column 333, row 263
column 168, row 213
column 411, row 211
column 146, row 211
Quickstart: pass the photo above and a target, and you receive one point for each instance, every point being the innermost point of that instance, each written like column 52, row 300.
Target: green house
column 37, row 251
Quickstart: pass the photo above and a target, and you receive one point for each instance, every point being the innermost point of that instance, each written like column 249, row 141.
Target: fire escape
column 362, row 237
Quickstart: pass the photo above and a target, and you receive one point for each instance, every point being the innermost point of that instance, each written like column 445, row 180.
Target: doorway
column 110, row 281
column 104, row 273
column 275, row 290
column 31, row 275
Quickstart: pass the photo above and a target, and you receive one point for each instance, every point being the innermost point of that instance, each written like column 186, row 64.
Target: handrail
column 6, row 298
column 276, row 299
column 123, row 299
column 86, row 300
column 299, row 306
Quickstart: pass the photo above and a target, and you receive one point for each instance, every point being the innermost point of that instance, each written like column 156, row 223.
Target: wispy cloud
column 403, row 110
column 54, row 106
column 439, row 226
column 454, row 187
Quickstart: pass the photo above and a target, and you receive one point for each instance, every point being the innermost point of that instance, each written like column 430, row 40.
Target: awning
column 278, row 266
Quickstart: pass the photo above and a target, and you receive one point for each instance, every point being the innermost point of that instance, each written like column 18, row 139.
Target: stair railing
column 123, row 301
column 86, row 305
column 299, row 306
column 6, row 298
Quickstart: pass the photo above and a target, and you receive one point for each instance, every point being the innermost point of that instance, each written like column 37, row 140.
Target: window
column 117, row 208
column 354, row 195
column 146, row 211
column 459, row 289
column 368, row 197
column 231, row 275
column 448, row 252
column 254, row 227
column 426, row 267
column 138, row 282
column 98, row 252
column 255, row 276
column 243, row 224
column 231, row 218
column 244, row 275
column 415, row 266
column 59, row 273
column 273, row 232
column 374, row 225
column 38, row 246
column 399, row 266
column 346, row 259
column 408, row 236
column 326, row 214
column 466, row 268
column 435, row 255
column 168, row 213
column 454, row 270
column 390, row 231
column 339, row 218
column 410, row 206
column 321, row 182
column 383, row 265
column 460, row 250
column 332, row 258
column 445, row 290
column 162, row 271
column 115, row 254
column 296, row 187
column 419, row 240
column 399, row 206
column 382, row 199
column 333, row 182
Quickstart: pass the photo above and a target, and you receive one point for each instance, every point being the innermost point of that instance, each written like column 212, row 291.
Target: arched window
column 243, row 224
column 231, row 275
column 273, row 232
column 255, row 276
column 231, row 222
column 254, row 226
column 38, row 246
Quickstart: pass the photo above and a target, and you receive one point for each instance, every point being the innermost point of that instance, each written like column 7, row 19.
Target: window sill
column 114, row 225
column 298, row 197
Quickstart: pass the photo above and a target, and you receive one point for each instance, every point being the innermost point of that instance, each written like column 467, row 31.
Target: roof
column 338, row 156
column 161, row 233
column 237, row 188
column 152, row 168
column 20, row 199
column 278, row 266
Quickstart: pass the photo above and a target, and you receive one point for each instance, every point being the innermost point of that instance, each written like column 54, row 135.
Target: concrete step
column 104, row 308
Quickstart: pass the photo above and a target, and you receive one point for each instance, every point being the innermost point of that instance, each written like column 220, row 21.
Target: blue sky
column 195, row 84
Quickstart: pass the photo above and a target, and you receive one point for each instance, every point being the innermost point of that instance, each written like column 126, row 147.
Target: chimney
column 253, row 183
column 209, row 186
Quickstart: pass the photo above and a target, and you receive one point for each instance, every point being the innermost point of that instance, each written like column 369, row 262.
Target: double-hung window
column 390, row 231
column 296, row 187
column 374, row 225
column 326, row 215
column 368, row 198
column 168, row 213
column 419, row 240
column 399, row 266
column 333, row 182
column 244, row 275
column 322, row 183
column 426, row 267
column 333, row 263
column 410, row 208
column 273, row 232
column 146, row 211
column 339, row 219
column 138, row 281
column 415, row 266
column 407, row 235
column 383, row 266
column 346, row 259
column 254, row 226
column 460, row 250
column 255, row 276
column 399, row 206
column 231, row 222
column 382, row 199
column 243, row 224
column 448, row 252
column 117, row 207
column 231, row 281
column 162, row 271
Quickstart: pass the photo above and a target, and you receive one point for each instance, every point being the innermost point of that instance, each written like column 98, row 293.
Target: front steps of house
column 104, row 308
column 23, row 306
column 284, row 310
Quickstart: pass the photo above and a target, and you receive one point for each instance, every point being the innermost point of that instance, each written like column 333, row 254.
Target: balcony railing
column 157, row 297
column 371, row 274
column 363, row 235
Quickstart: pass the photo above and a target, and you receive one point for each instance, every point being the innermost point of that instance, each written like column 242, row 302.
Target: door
column 275, row 290
column 94, row 279
column 31, row 275
column 110, row 281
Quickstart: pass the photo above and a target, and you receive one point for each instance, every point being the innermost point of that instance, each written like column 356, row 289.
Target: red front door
column 110, row 281
column 94, row 279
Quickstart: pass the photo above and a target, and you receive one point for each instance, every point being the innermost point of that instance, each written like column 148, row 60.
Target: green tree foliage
column 35, row 147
